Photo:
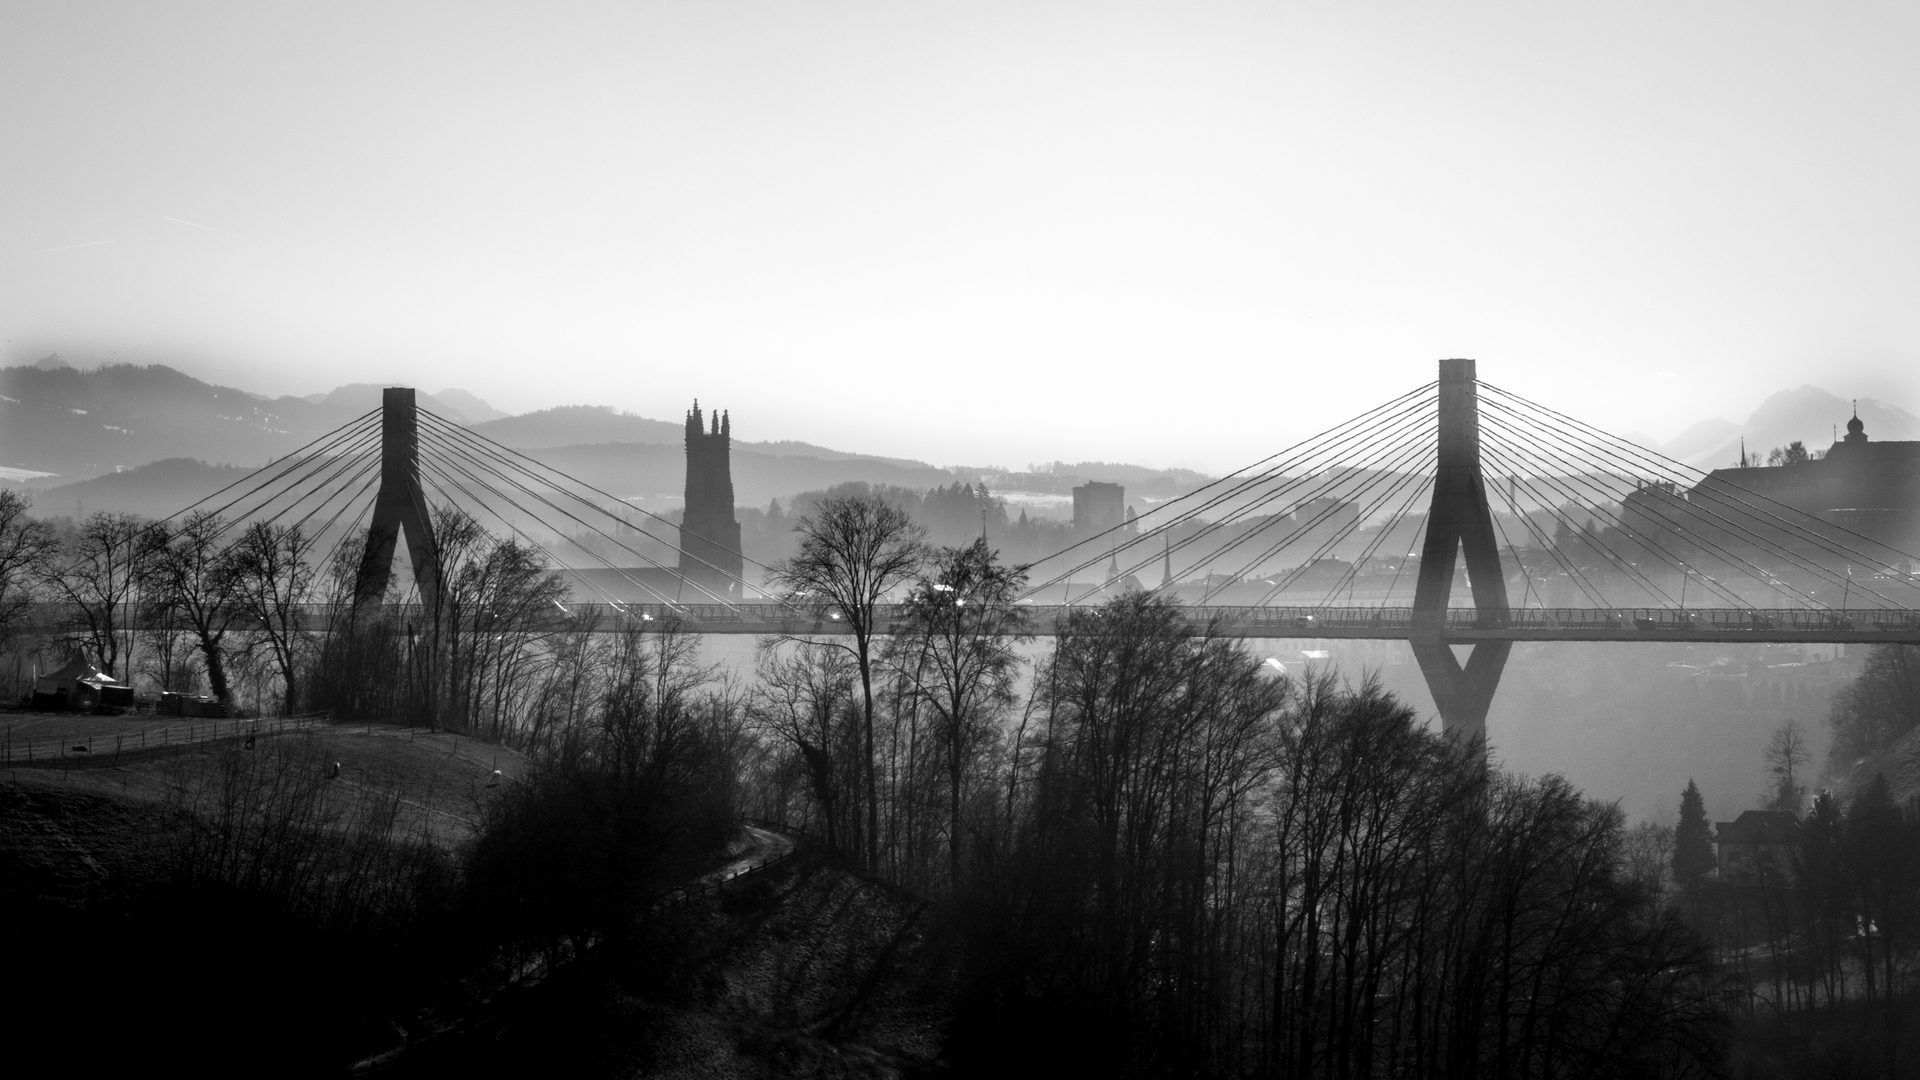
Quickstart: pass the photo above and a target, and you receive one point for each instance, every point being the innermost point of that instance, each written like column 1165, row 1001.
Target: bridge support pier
column 399, row 507
column 1459, row 520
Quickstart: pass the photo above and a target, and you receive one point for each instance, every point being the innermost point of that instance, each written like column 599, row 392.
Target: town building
column 1757, row 848
column 1097, row 507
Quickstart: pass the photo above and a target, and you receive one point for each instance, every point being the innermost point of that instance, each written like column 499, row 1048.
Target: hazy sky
column 977, row 233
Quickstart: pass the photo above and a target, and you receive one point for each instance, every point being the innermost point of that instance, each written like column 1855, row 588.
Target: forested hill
column 81, row 424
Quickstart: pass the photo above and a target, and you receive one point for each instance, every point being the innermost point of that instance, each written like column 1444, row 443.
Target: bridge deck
column 1868, row 626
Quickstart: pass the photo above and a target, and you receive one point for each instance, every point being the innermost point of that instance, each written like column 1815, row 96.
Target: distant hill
column 81, row 424
column 454, row 404
column 584, row 425
column 1703, row 440
column 657, row 474
column 578, row 425
column 152, row 490
column 1060, row 478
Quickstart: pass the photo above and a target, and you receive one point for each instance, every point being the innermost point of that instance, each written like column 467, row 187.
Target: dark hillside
column 805, row 971
column 223, row 911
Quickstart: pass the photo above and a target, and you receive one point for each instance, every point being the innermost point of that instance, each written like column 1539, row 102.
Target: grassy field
column 440, row 778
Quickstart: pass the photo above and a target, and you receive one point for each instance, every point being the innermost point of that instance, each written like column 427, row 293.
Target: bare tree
column 196, row 581
column 101, row 576
column 1787, row 757
column 854, row 550
column 805, row 688
column 500, row 606
column 274, row 580
column 958, row 652
column 27, row 549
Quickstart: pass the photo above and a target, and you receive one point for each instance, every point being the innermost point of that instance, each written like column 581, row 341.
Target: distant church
column 709, row 532
column 710, row 566
column 1871, row 489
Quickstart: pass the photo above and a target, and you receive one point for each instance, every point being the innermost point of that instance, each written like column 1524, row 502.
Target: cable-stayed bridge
column 1455, row 515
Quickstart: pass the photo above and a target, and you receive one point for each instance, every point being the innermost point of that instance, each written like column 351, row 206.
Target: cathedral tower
column 709, row 533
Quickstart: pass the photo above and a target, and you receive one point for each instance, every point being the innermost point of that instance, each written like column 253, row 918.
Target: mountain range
column 149, row 439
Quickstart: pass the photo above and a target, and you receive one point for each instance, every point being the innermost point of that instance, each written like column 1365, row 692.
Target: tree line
column 1163, row 855
column 1171, row 859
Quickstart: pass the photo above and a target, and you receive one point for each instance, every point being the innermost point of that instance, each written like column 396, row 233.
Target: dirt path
column 757, row 847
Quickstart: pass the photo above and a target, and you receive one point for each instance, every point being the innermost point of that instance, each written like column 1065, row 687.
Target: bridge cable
column 1543, row 543
column 328, row 438
column 1415, row 448
column 520, row 461
column 1334, row 483
column 1590, row 537
column 292, row 474
column 1266, row 464
column 1580, row 471
column 436, row 479
column 1328, row 480
column 1352, row 575
column 1565, row 488
column 484, row 453
column 549, row 553
column 1579, row 475
column 1397, row 469
column 593, row 531
column 1274, row 464
column 1409, row 442
column 1762, row 542
column 1678, row 469
column 452, row 463
column 1731, row 557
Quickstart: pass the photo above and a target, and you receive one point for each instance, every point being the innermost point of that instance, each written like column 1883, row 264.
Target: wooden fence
column 77, row 749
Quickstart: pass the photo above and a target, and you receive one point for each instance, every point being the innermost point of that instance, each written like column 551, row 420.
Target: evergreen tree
column 1692, row 841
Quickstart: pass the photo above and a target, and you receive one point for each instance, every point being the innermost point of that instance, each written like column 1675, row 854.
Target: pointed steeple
column 1166, row 567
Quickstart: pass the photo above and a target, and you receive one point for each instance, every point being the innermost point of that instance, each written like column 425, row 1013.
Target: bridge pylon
column 399, row 507
column 1459, row 520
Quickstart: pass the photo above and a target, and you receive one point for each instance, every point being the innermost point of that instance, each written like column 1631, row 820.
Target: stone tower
column 709, row 533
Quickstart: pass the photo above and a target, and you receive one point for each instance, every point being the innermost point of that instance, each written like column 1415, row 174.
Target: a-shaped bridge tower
column 1459, row 521
column 399, row 507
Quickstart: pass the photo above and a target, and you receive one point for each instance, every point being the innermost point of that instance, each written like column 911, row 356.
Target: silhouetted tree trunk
column 274, row 580
column 101, row 576
column 854, row 550
column 957, row 651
